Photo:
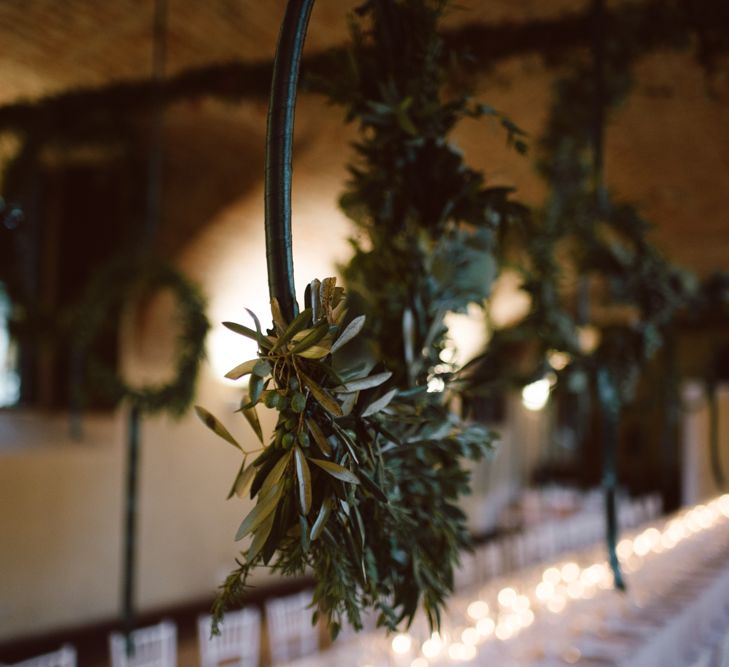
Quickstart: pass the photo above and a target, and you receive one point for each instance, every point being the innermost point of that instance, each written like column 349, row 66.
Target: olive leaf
column 252, row 416
column 259, row 539
column 314, row 352
column 215, row 426
column 299, row 322
column 364, row 383
column 311, row 337
column 241, row 481
column 272, row 456
column 372, row 487
column 348, row 402
column 351, row 330
column 259, row 334
column 319, row 437
column 266, row 505
column 335, row 470
column 321, row 519
column 324, row 399
column 339, row 312
column 380, row 404
column 304, row 478
column 241, row 369
column 276, row 473
column 256, row 385
column 408, row 339
column 249, row 333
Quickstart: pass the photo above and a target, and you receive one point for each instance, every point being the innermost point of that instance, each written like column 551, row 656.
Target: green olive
column 298, row 402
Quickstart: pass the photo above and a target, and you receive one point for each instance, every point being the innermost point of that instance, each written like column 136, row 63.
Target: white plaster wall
column 61, row 518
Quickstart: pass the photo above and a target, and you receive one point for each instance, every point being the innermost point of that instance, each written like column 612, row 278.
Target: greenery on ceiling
column 652, row 24
column 602, row 295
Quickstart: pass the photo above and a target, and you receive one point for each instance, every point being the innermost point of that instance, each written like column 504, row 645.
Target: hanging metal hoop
column 279, row 148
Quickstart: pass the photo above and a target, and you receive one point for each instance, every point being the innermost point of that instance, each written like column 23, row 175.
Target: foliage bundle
column 362, row 478
column 333, row 487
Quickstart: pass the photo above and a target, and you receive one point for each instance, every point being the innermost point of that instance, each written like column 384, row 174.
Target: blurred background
column 104, row 102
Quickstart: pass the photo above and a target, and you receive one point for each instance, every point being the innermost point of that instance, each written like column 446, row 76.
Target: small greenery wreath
column 118, row 281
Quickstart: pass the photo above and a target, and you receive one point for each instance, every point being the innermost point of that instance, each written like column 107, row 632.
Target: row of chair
column 547, row 540
column 288, row 625
column 288, row 619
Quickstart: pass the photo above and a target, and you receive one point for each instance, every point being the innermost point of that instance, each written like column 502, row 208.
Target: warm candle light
column 506, row 596
column 551, row 575
column 570, row 572
column 485, row 627
column 534, row 396
column 401, row 644
column 477, row 609
column 433, row 646
column 470, row 636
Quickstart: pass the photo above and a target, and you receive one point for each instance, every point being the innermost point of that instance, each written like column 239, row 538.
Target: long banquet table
column 675, row 612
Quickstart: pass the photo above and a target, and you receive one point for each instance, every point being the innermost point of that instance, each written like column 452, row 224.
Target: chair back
column 290, row 632
column 154, row 646
column 63, row 657
column 239, row 641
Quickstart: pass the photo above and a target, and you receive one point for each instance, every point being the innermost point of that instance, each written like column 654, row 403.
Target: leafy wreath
column 112, row 285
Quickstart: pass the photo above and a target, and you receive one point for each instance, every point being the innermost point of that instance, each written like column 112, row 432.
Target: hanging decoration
column 361, row 480
column 602, row 297
column 109, row 291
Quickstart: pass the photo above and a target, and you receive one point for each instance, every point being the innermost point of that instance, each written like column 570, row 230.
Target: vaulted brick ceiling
column 52, row 46
column 668, row 148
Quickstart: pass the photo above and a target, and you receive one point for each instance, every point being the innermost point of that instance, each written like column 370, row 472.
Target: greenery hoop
column 110, row 288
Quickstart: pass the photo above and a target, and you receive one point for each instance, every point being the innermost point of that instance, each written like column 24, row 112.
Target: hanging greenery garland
column 603, row 298
column 363, row 475
column 112, row 285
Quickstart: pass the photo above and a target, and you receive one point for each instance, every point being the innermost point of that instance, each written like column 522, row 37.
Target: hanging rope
column 279, row 144
column 608, row 395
